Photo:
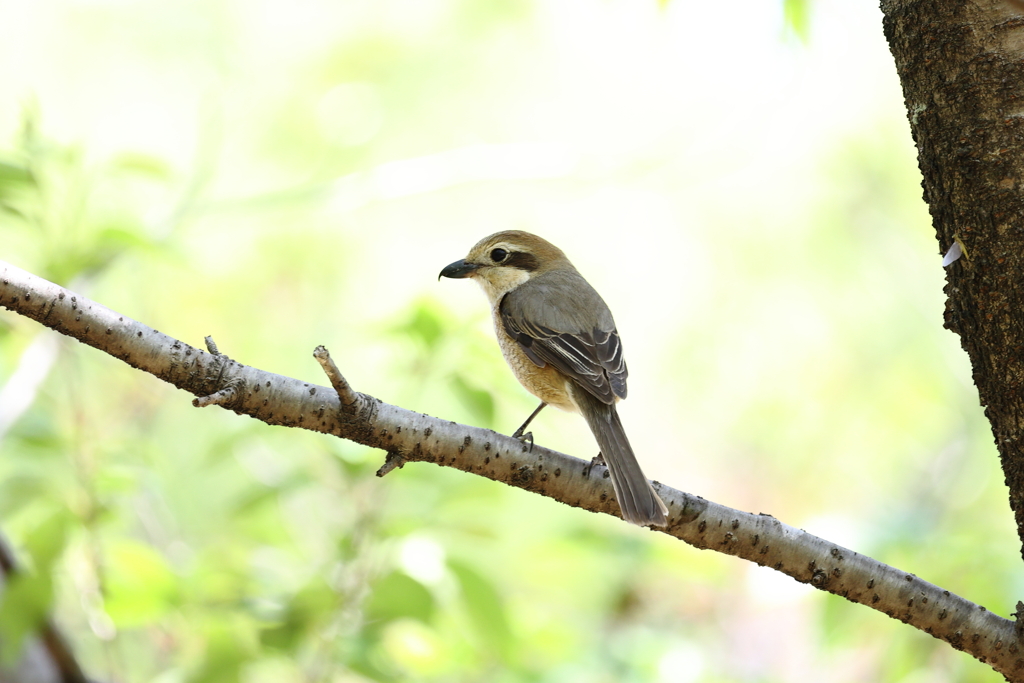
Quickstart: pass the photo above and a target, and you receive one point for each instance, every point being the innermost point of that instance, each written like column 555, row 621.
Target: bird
column 559, row 338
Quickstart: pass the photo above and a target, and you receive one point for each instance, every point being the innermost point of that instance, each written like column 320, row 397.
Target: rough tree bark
column 962, row 69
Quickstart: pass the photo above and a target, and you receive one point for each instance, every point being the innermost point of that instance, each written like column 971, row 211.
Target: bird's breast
column 547, row 383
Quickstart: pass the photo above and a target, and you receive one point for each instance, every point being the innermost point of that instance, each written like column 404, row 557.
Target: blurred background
column 737, row 180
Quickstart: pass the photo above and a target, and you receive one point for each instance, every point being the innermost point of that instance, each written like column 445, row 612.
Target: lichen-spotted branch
column 408, row 436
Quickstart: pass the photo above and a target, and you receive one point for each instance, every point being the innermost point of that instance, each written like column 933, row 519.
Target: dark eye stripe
column 522, row 261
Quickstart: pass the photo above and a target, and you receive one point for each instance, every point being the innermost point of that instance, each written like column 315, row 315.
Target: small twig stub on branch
column 338, row 381
column 392, row 462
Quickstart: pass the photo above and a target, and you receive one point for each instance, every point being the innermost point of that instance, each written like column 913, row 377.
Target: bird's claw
column 596, row 460
column 524, row 439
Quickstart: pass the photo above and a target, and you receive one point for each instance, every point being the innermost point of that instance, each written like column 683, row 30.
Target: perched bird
column 559, row 338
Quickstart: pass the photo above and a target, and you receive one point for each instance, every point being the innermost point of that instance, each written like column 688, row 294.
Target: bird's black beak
column 461, row 268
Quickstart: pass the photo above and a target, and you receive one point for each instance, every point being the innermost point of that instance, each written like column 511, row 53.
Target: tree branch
column 408, row 436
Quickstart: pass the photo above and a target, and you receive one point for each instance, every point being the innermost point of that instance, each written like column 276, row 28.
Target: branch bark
column 962, row 69
column 408, row 436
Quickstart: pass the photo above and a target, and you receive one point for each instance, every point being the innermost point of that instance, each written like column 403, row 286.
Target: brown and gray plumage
column 559, row 338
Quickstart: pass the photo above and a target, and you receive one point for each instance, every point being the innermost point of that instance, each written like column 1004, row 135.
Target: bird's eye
column 499, row 255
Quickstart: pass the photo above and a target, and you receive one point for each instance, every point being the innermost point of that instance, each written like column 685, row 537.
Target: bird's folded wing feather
column 540, row 320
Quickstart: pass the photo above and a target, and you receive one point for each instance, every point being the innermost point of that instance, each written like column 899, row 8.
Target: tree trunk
column 962, row 69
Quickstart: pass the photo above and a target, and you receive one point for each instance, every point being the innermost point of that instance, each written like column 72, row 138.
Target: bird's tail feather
column 638, row 501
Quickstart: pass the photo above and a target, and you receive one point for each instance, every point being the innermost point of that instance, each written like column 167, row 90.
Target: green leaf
column 797, row 18
column 19, row 490
column 120, row 239
column 258, row 495
column 305, row 609
column 116, row 479
column 140, row 585
column 424, row 325
column 485, row 607
column 142, row 164
column 254, row 498
column 27, row 597
column 398, row 595
column 366, row 661
column 16, row 182
column 9, row 174
column 6, row 207
column 23, row 607
column 45, row 544
column 228, row 649
column 15, row 175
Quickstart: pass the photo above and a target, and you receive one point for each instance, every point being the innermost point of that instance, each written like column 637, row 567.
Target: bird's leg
column 528, row 436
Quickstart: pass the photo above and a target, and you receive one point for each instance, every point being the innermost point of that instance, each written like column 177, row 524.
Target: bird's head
column 503, row 261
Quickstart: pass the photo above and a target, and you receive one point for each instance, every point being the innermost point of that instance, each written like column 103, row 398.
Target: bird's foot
column 596, row 460
column 526, row 439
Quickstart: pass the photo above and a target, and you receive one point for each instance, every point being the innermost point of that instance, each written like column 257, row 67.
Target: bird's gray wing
column 559, row 319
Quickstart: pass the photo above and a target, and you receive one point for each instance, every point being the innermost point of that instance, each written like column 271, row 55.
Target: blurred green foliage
column 797, row 14
column 283, row 175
